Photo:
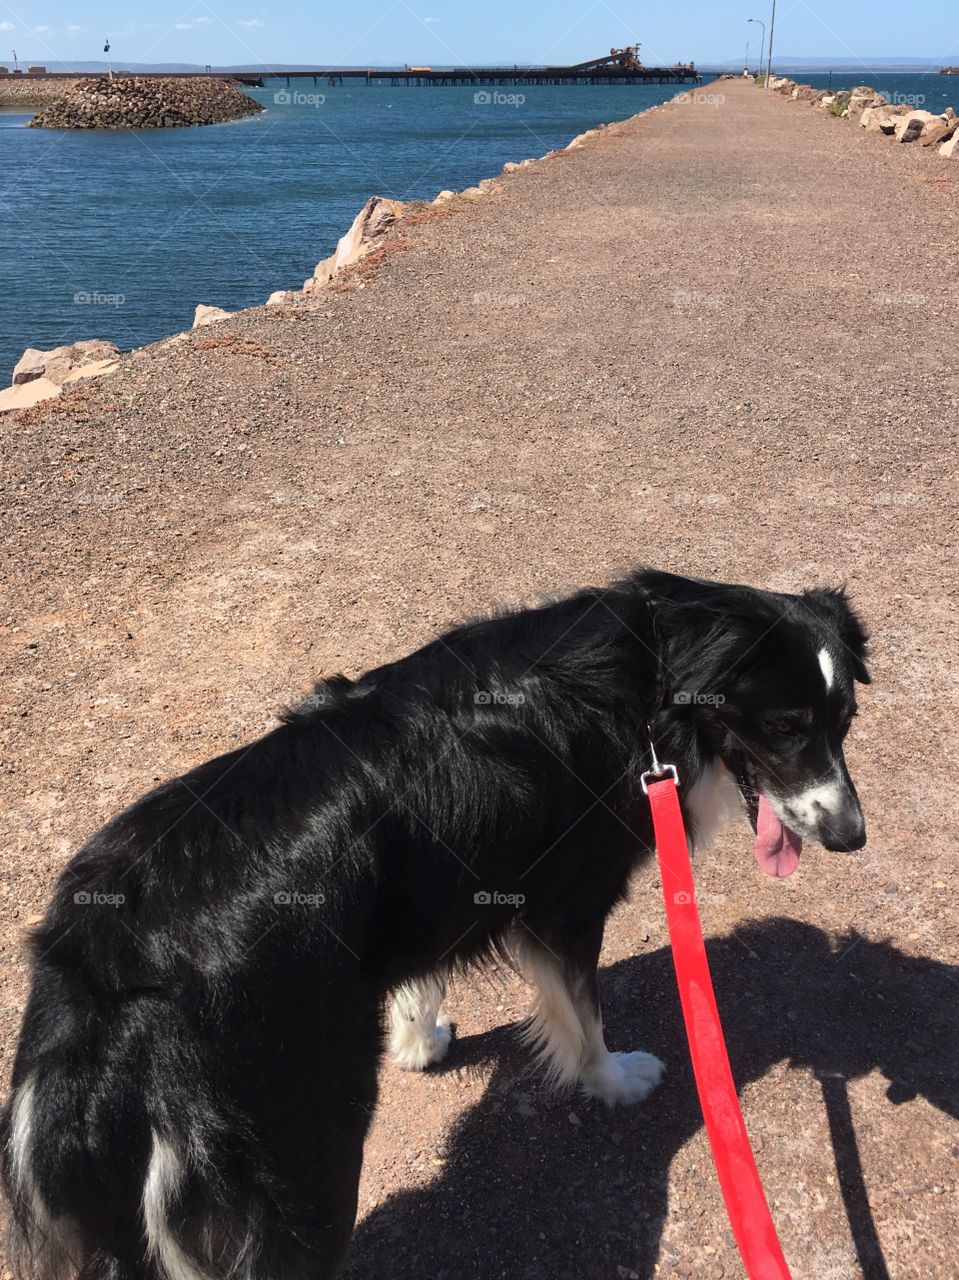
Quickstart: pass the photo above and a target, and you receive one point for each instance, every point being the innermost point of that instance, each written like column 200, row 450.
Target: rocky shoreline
column 869, row 108
column 145, row 102
column 44, row 375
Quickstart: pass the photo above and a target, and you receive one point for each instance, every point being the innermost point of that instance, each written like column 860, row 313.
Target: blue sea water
column 929, row 92
column 120, row 234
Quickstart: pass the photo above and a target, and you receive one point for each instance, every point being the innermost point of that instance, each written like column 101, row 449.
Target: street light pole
column 762, row 42
column 769, row 55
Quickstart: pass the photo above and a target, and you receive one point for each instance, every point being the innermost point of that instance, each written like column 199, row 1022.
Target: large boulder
column 910, row 126
column 32, row 364
column 96, row 370
column 879, row 114
column 938, row 130
column 209, row 315
column 369, row 226
column 58, row 365
column 96, row 349
column 27, row 394
column 860, row 98
column 881, row 118
column 950, row 149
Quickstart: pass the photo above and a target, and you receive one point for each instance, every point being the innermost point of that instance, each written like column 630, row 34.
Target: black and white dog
column 197, row 1066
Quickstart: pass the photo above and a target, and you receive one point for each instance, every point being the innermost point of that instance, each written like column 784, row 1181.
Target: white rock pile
column 900, row 121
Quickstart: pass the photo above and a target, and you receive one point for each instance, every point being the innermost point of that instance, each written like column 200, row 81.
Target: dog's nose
column 845, row 841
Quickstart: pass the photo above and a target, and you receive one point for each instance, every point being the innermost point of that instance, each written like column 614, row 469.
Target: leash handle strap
column 742, row 1190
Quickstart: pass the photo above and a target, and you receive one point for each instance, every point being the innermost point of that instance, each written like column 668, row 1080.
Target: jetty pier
column 619, row 66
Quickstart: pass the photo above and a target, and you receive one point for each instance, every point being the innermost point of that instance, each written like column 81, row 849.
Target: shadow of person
column 535, row 1186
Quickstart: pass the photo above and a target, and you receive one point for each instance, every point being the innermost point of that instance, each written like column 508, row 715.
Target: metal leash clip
column 657, row 770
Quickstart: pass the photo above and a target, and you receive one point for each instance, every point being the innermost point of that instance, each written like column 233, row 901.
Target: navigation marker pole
column 769, row 59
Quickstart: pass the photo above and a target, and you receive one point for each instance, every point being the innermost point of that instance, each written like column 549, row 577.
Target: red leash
column 738, row 1176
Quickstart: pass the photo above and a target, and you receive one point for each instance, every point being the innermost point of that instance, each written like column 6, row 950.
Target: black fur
column 213, row 965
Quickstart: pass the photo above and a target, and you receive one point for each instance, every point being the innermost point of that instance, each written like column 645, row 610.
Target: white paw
column 622, row 1078
column 415, row 1050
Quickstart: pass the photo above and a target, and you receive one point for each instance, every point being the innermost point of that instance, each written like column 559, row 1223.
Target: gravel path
column 720, row 339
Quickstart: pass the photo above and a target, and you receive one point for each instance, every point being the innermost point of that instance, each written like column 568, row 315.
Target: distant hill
column 812, row 66
column 863, row 67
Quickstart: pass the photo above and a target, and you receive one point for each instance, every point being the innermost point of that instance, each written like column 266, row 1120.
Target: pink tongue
column 777, row 848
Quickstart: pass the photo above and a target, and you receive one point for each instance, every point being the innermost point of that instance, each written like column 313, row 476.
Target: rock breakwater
column 145, row 102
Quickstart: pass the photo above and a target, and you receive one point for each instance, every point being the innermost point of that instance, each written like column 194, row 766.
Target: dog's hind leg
column 566, row 1028
column 420, row 1031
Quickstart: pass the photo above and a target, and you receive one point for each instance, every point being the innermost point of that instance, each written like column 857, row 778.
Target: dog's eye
column 784, row 726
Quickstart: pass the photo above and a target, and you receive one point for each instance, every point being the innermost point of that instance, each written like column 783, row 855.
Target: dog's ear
column 831, row 607
column 710, row 634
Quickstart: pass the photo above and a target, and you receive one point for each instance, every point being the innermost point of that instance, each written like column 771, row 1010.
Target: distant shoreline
column 707, row 67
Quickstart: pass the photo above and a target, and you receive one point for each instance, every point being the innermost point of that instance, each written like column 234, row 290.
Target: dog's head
column 767, row 683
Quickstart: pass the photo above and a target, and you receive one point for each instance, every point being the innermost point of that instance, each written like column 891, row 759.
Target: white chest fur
column 713, row 800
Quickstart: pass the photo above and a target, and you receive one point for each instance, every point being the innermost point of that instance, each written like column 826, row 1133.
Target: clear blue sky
column 467, row 31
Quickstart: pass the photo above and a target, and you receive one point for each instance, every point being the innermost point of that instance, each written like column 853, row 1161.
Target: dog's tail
column 107, row 1141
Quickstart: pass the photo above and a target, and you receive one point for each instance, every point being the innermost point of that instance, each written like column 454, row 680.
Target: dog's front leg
column 566, row 1027
column 419, row 1030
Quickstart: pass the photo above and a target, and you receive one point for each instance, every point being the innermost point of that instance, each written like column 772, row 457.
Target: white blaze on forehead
column 827, row 668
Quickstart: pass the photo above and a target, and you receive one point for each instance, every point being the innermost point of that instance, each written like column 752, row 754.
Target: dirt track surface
column 720, row 340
